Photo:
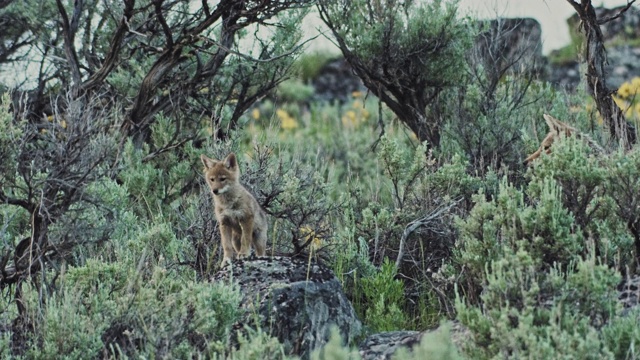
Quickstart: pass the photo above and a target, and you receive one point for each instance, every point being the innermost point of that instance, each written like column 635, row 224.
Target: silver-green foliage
column 542, row 265
column 109, row 308
column 436, row 345
column 406, row 53
column 384, row 296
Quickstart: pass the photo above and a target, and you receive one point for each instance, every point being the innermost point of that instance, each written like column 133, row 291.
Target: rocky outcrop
column 336, row 82
column 382, row 346
column 623, row 27
column 294, row 300
column 621, row 36
column 514, row 45
column 518, row 41
column 624, row 64
column 629, row 294
column 565, row 76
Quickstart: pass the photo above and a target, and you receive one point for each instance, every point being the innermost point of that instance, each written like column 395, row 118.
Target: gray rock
column 294, row 300
column 384, row 345
column 626, row 26
column 624, row 64
column 511, row 44
column 623, row 59
column 629, row 293
column 336, row 82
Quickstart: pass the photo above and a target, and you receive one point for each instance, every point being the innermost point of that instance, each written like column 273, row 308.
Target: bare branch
column 596, row 58
column 622, row 11
column 114, row 50
column 415, row 224
column 251, row 58
column 165, row 28
column 69, row 36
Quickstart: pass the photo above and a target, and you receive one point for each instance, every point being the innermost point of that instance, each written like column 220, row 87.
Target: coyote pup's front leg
column 246, row 227
column 226, row 237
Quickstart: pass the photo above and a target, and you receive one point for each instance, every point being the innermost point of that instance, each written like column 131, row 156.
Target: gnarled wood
column 596, row 59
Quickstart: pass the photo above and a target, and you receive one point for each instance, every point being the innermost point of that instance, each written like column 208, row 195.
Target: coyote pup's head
column 556, row 127
column 221, row 175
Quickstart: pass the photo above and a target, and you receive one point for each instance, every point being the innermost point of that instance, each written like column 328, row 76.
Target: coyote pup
column 241, row 220
column 556, row 128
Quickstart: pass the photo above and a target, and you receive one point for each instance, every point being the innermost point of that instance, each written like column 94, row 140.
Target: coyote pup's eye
column 222, row 178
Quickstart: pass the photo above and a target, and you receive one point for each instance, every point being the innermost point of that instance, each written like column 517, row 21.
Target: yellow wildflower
column 575, row 108
column 625, row 90
column 349, row 119
column 365, row 114
column 286, row 121
column 255, row 114
column 589, row 107
column 307, row 234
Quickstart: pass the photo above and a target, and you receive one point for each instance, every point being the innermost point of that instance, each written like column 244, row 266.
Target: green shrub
column 590, row 190
column 622, row 335
column 531, row 314
column 488, row 114
column 106, row 308
column 437, row 345
column 384, row 296
column 541, row 268
column 335, row 349
column 506, row 224
column 294, row 91
column 310, row 64
column 257, row 345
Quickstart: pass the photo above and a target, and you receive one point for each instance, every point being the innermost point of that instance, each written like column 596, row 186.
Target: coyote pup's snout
column 241, row 220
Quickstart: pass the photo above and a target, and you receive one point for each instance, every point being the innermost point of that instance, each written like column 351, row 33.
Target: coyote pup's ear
column 552, row 123
column 208, row 163
column 230, row 161
column 556, row 125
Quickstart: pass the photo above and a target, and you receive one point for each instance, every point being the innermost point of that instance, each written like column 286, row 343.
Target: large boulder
column 295, row 300
column 511, row 44
column 620, row 35
column 336, row 82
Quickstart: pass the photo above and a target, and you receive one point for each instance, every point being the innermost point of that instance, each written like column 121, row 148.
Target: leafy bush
column 541, row 267
column 109, row 309
column 384, row 295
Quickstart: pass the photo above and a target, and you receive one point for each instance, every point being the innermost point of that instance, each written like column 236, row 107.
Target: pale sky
column 551, row 14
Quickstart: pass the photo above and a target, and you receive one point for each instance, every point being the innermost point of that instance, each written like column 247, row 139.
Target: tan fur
column 241, row 220
column 557, row 127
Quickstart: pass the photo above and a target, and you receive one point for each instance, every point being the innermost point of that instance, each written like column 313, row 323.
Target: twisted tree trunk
column 596, row 59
